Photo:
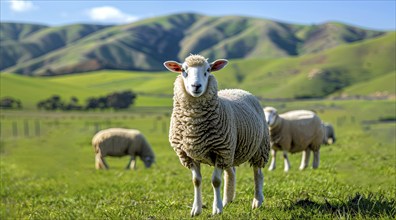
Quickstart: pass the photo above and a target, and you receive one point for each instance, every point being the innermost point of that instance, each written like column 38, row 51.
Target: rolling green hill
column 377, row 87
column 40, row 42
column 363, row 68
column 315, row 75
column 18, row 31
column 145, row 44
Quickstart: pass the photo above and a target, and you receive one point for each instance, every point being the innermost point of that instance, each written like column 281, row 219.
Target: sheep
column 219, row 128
column 329, row 134
column 294, row 131
column 119, row 142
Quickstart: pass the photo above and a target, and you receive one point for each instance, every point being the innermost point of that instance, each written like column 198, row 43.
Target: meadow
column 47, row 161
column 47, row 169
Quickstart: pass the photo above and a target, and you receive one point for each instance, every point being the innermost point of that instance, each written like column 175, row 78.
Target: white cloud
column 21, row 5
column 110, row 14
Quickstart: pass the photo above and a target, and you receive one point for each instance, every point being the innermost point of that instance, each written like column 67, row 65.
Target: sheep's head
column 195, row 72
column 270, row 115
column 148, row 161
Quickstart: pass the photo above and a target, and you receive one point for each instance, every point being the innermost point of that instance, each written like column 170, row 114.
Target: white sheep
column 220, row 128
column 119, row 142
column 329, row 134
column 294, row 131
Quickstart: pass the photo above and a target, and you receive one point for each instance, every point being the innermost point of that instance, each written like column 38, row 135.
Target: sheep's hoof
column 196, row 211
column 226, row 202
column 257, row 203
column 217, row 210
column 302, row 168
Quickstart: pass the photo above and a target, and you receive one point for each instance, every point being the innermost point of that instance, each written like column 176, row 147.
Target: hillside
column 145, row 44
column 41, row 42
column 357, row 69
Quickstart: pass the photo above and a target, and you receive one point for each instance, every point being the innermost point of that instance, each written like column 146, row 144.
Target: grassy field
column 47, row 169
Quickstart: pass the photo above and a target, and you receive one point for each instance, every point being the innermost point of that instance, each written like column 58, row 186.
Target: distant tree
column 52, row 103
column 116, row 100
column 73, row 100
column 102, row 102
column 55, row 102
column 92, row 103
column 121, row 100
column 73, row 104
column 10, row 103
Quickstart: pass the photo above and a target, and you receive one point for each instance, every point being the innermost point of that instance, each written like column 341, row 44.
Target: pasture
column 47, row 169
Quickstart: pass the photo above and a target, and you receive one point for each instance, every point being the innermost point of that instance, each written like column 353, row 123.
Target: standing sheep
column 119, row 142
column 294, row 131
column 220, row 128
column 329, row 134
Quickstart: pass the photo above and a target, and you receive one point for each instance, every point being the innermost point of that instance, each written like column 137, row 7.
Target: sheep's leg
column 286, row 161
column 316, row 158
column 100, row 162
column 97, row 161
column 216, row 183
column 197, row 180
column 273, row 160
column 132, row 164
column 229, row 185
column 305, row 159
column 258, row 187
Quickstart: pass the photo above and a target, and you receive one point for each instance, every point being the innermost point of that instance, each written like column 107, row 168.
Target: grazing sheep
column 329, row 134
column 294, row 131
column 220, row 128
column 119, row 142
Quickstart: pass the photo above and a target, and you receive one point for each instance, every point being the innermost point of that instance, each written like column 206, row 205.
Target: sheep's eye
column 207, row 71
column 184, row 73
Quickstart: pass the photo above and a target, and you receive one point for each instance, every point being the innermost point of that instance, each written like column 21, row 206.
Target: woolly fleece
column 296, row 131
column 226, row 128
column 120, row 142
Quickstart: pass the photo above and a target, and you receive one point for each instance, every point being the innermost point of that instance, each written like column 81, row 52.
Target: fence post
column 26, row 127
column 96, row 127
column 14, row 129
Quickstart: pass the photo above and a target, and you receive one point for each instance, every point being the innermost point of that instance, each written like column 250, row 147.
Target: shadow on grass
column 366, row 206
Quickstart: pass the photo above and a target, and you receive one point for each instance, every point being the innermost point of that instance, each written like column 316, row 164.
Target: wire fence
column 31, row 127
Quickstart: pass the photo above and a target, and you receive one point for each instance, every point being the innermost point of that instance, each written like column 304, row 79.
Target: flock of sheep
column 222, row 129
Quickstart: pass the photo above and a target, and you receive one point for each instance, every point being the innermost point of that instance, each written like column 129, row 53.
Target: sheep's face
column 148, row 161
column 270, row 115
column 195, row 72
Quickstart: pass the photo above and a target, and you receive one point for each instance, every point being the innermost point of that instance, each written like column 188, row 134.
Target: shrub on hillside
column 52, row 103
column 10, row 103
column 116, row 100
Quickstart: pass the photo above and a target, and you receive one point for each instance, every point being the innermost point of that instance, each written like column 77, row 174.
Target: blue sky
column 371, row 14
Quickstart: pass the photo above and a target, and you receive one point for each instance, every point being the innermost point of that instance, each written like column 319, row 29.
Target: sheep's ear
column 173, row 66
column 218, row 65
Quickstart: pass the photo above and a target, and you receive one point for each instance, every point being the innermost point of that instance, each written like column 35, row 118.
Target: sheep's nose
column 196, row 86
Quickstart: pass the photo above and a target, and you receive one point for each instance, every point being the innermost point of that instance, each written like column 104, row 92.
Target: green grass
column 381, row 85
column 31, row 90
column 51, row 175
